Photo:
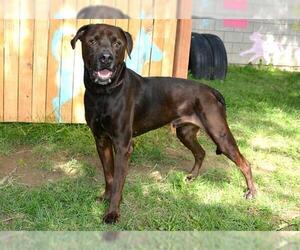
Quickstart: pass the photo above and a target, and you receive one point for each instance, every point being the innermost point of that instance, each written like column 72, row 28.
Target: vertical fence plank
column 39, row 81
column 95, row 21
column 157, row 47
column 78, row 108
column 170, row 25
column 122, row 5
column 169, row 47
column 146, row 45
column 146, row 36
column 11, row 61
column 77, row 105
column 109, row 21
column 53, row 70
column 54, row 63
column 134, row 28
column 67, row 66
column 122, row 23
column 183, row 40
column 1, row 66
column 25, row 60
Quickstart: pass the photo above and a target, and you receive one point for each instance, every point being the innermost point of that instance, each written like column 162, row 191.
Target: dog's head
column 103, row 50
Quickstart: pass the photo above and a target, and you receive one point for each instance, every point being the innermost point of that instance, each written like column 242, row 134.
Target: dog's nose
column 106, row 58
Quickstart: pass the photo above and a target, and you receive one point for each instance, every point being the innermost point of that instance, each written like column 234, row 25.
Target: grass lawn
column 53, row 172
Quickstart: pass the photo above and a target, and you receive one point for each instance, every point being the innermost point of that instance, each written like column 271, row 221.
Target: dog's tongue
column 104, row 74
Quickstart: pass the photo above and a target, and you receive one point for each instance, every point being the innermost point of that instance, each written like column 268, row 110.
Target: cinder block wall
column 274, row 42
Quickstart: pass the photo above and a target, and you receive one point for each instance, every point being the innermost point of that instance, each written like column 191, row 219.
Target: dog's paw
column 111, row 218
column 250, row 194
column 192, row 176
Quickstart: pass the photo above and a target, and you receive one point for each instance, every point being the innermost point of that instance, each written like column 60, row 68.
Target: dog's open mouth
column 103, row 76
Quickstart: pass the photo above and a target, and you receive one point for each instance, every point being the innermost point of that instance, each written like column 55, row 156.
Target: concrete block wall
column 264, row 41
column 249, row 9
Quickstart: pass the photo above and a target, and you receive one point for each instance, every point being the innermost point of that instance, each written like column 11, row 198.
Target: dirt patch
column 25, row 167
column 20, row 167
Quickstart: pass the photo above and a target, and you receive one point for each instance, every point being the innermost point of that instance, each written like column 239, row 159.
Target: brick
column 233, row 37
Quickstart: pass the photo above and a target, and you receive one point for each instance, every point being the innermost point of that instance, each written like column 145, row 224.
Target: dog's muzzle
column 106, row 70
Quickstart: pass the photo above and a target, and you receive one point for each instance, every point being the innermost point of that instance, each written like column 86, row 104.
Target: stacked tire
column 208, row 57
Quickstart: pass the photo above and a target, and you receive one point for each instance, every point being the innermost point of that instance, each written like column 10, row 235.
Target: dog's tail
column 219, row 97
column 221, row 100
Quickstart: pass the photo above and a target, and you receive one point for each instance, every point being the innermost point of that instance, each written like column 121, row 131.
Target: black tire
column 201, row 57
column 220, row 63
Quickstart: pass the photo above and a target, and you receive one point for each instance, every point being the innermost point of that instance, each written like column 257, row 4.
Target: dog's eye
column 92, row 41
column 117, row 44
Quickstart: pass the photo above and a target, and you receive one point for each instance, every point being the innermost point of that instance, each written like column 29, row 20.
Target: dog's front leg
column 123, row 150
column 105, row 151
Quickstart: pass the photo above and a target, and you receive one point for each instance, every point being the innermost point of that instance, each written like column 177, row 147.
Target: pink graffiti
column 236, row 23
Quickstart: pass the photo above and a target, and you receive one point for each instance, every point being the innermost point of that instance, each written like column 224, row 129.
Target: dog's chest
column 100, row 115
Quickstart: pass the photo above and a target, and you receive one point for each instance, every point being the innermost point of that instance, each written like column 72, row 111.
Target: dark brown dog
column 120, row 104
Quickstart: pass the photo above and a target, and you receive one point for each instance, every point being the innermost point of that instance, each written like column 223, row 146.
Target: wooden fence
column 41, row 77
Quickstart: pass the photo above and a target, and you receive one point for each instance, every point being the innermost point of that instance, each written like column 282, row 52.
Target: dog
column 120, row 105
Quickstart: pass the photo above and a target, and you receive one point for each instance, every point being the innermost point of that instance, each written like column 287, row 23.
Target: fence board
column 169, row 46
column 11, row 76
column 157, row 47
column 25, row 70
column 78, row 108
column 183, row 41
column 55, row 35
column 134, row 27
column 67, row 66
column 25, row 60
column 1, row 68
column 39, row 82
column 78, row 92
column 53, row 70
column 122, row 23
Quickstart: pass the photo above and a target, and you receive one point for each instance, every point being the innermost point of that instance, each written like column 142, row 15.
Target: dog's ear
column 129, row 43
column 79, row 34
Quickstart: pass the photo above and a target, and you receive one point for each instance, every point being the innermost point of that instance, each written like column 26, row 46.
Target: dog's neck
column 109, row 87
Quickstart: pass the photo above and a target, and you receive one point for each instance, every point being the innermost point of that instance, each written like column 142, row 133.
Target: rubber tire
column 201, row 57
column 220, row 62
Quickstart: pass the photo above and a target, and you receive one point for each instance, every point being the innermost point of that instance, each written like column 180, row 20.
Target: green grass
column 263, row 107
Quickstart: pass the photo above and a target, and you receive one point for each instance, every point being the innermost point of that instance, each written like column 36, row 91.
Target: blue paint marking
column 65, row 72
column 141, row 52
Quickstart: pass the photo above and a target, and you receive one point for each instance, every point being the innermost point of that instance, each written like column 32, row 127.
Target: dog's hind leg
column 187, row 134
column 214, row 121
